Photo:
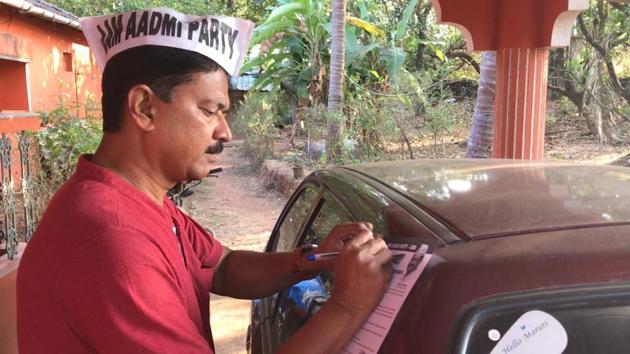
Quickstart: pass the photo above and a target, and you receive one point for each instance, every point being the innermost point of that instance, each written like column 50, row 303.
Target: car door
column 296, row 306
column 293, row 307
column 285, row 235
column 287, row 311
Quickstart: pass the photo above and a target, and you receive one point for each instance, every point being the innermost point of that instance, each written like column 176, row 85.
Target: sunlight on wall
column 81, row 54
column 56, row 60
column 82, row 66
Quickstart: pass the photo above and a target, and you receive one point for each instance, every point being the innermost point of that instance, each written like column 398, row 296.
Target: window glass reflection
column 301, row 301
column 290, row 227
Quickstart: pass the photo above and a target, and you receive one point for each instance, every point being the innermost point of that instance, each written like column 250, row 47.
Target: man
column 115, row 267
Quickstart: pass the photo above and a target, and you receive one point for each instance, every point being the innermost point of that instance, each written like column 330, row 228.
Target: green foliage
column 255, row 123
column 61, row 145
column 249, row 9
column 293, row 47
column 403, row 24
column 66, row 137
column 621, row 60
column 375, row 54
column 441, row 118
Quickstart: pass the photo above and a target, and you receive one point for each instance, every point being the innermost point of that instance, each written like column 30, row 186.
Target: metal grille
column 27, row 186
column 8, row 198
column 9, row 233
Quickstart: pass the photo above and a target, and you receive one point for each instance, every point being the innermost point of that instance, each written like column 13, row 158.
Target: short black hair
column 161, row 68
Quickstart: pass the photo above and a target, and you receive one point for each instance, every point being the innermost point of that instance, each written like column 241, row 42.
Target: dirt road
column 242, row 213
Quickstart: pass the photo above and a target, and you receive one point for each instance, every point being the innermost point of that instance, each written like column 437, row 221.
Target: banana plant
column 293, row 43
column 295, row 39
column 383, row 53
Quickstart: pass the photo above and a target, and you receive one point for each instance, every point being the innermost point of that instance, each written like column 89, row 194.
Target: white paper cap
column 222, row 39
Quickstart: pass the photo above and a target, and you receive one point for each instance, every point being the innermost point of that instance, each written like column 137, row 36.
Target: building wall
column 42, row 65
column 58, row 64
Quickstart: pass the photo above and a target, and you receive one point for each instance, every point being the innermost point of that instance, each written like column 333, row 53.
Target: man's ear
column 141, row 105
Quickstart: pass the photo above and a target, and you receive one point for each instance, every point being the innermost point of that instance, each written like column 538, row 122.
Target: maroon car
column 526, row 257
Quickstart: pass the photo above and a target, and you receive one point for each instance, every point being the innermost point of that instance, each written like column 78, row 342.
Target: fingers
column 368, row 241
column 348, row 229
column 343, row 233
column 376, row 245
column 383, row 256
column 367, row 224
column 377, row 248
column 359, row 238
column 368, row 250
column 362, row 271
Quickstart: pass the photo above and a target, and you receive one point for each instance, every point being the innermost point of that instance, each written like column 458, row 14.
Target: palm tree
column 481, row 133
column 337, row 65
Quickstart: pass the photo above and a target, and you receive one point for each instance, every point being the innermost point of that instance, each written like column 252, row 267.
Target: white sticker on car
column 534, row 332
column 494, row 335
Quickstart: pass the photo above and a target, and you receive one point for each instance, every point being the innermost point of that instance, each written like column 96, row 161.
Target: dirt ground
column 241, row 212
column 567, row 138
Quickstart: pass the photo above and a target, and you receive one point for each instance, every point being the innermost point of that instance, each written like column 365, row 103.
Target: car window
column 386, row 215
column 329, row 215
column 289, row 229
column 301, row 301
column 580, row 321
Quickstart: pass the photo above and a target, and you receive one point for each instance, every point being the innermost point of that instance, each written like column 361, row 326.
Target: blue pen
column 322, row 256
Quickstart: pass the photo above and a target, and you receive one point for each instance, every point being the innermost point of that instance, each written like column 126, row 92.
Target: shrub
column 255, row 123
column 59, row 147
column 441, row 119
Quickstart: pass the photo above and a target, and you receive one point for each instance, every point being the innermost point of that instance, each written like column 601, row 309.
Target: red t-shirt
column 110, row 271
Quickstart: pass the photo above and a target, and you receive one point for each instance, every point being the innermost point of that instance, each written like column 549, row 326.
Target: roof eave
column 34, row 10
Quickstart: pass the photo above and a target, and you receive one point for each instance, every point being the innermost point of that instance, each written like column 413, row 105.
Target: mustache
column 216, row 148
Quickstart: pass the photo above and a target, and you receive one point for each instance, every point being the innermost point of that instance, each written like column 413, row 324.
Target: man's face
column 191, row 129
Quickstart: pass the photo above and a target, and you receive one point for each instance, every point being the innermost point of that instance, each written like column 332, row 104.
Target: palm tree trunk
column 481, row 133
column 337, row 66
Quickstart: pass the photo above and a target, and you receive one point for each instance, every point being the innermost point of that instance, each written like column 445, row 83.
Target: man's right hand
column 362, row 272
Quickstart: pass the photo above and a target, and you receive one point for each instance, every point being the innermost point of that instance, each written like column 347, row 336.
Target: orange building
column 44, row 62
column 44, row 58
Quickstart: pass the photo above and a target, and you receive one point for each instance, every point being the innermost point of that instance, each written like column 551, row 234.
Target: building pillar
column 521, row 32
column 520, row 103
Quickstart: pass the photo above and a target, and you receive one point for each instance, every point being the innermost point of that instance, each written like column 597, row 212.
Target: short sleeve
column 122, row 296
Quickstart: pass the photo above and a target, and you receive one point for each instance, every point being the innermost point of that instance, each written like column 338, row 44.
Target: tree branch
column 589, row 92
column 389, row 17
column 576, row 97
column 467, row 58
column 589, row 38
column 618, row 6
column 616, row 84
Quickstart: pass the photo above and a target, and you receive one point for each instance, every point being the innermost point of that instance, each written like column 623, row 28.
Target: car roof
column 490, row 198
